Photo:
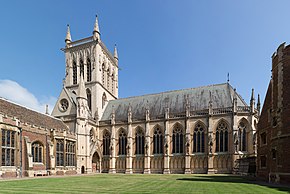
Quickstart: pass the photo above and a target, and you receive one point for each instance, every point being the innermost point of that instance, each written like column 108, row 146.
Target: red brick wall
column 33, row 136
column 278, row 137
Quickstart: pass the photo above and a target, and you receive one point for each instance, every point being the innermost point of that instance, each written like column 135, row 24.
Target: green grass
column 120, row 183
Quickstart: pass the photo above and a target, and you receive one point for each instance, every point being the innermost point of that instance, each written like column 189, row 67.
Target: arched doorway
column 96, row 163
column 83, row 170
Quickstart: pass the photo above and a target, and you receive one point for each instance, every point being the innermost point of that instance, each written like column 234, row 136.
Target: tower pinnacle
column 68, row 36
column 82, row 89
column 252, row 96
column 96, row 32
column 258, row 103
column 116, row 53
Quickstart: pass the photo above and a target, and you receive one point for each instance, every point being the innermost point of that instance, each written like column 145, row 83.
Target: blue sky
column 162, row 44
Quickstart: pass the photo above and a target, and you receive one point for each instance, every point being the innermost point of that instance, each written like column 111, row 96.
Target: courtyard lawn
column 121, row 183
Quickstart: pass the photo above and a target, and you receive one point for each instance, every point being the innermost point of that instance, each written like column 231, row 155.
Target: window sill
column 37, row 163
column 221, row 153
column 158, row 155
column 178, row 154
column 198, row 153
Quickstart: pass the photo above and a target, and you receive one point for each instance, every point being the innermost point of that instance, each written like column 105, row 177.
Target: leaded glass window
column 75, row 73
column 122, row 142
column 70, row 153
column 37, row 152
column 59, row 153
column 8, row 147
column 242, row 137
column 106, row 143
column 89, row 70
column 177, row 140
column 222, row 138
column 157, row 141
column 139, row 141
column 198, row 139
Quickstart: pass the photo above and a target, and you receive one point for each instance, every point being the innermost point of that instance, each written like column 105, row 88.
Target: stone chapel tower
column 90, row 58
column 91, row 80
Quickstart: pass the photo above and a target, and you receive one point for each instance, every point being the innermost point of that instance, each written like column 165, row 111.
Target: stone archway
column 96, row 165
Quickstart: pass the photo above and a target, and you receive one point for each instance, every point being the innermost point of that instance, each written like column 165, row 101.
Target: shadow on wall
column 236, row 179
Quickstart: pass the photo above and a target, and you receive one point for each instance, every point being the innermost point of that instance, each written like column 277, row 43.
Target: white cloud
column 14, row 92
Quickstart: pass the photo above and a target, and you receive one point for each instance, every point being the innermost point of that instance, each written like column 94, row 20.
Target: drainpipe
column 47, row 156
column 20, row 152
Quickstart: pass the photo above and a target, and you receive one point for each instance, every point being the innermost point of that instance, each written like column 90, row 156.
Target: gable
column 68, row 96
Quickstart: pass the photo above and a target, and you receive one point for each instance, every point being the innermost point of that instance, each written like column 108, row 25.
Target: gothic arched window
column 75, row 79
column 122, row 142
column 198, row 139
column 37, row 152
column 222, row 138
column 106, row 143
column 113, row 83
column 103, row 74
column 82, row 68
column 242, row 137
column 157, row 141
column 104, row 99
column 139, row 141
column 177, row 139
column 108, row 79
column 89, row 97
column 89, row 70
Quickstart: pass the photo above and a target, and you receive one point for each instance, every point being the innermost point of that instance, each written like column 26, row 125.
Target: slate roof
column 221, row 95
column 30, row 116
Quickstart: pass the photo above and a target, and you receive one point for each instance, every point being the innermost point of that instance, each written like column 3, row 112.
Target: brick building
column 27, row 142
column 274, row 124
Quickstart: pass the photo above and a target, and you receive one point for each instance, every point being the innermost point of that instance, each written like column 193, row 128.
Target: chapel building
column 198, row 130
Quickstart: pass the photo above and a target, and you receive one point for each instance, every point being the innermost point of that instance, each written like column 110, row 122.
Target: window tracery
column 242, row 137
column 198, row 139
column 89, row 98
column 157, row 141
column 75, row 72
column 177, row 139
column 106, row 143
column 222, row 138
column 82, row 68
column 89, row 70
column 122, row 142
column 139, row 141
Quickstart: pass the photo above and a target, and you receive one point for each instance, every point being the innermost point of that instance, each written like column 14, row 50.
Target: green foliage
column 121, row 183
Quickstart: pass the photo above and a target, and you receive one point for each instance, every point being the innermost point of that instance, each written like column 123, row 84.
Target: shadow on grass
column 235, row 179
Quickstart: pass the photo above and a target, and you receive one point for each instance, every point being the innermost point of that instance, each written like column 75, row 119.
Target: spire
column 68, row 36
column 96, row 32
column 82, row 89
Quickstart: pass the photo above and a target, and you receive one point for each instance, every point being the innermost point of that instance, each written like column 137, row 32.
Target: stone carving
column 210, row 144
column 236, row 141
